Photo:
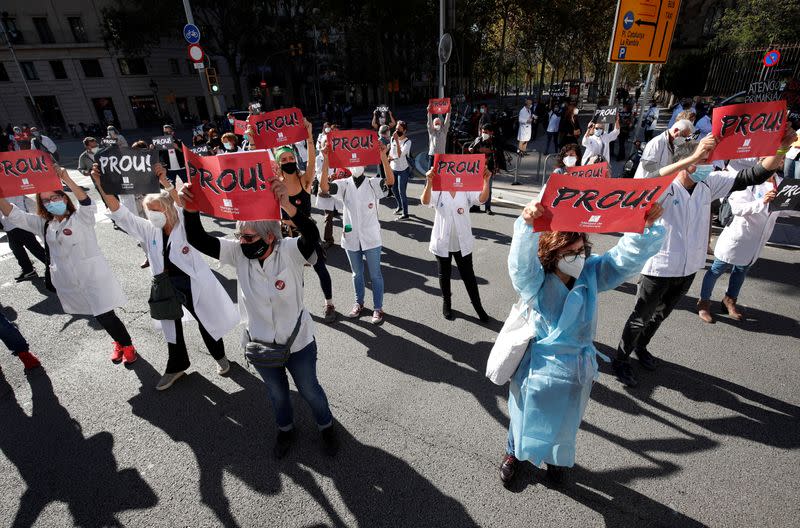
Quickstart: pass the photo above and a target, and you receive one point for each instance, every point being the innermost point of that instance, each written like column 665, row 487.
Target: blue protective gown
column 550, row 389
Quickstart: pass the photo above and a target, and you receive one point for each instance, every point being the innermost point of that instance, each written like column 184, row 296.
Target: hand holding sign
column 532, row 211
column 459, row 172
column 26, row 172
column 653, row 214
column 439, row 106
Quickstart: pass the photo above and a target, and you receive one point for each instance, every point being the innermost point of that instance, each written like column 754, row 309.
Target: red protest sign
column 277, row 128
column 440, row 106
column 598, row 205
column 458, row 172
column 748, row 130
column 233, row 186
column 239, row 127
column 353, row 148
column 27, row 172
column 596, row 170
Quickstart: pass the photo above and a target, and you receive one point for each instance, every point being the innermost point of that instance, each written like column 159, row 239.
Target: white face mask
column 574, row 268
column 95, row 149
column 678, row 140
column 327, row 130
column 570, row 161
column 226, row 145
column 598, row 132
column 157, row 218
column 575, row 111
column 437, row 127
column 485, row 137
column 357, row 172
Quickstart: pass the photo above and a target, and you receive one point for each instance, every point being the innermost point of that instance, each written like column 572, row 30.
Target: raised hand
column 653, row 214
column 532, row 211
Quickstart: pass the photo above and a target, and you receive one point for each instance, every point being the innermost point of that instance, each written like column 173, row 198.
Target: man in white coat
column 526, row 119
column 669, row 274
column 659, row 151
column 596, row 142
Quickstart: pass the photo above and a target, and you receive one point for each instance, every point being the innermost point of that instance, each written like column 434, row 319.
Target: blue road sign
column 627, row 21
column 622, row 50
column 191, row 33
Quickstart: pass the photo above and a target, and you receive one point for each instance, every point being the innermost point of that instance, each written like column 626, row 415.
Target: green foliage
column 758, row 23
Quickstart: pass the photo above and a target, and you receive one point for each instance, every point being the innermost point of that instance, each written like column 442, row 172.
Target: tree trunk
column 501, row 58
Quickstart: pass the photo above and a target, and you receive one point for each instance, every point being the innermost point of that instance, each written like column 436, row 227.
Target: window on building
column 58, row 69
column 132, row 67
column 14, row 34
column 43, row 29
column 29, row 71
column 3, row 73
column 91, row 68
column 78, row 31
column 174, row 66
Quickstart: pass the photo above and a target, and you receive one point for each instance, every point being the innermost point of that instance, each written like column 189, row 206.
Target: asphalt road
column 711, row 439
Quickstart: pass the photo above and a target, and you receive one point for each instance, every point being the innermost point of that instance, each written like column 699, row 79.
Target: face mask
column 485, row 136
column 574, row 268
column 400, row 133
column 701, row 172
column 357, row 172
column 437, row 127
column 386, row 137
column 598, row 132
column 483, row 110
column 37, row 134
column 157, row 218
column 226, row 145
column 56, row 208
column 327, row 130
column 112, row 134
column 570, row 161
column 254, row 250
column 95, row 149
column 678, row 141
column 289, row 168
column 575, row 111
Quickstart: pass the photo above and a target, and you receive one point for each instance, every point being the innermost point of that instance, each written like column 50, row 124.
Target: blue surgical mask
column 701, row 172
column 598, row 132
column 56, row 208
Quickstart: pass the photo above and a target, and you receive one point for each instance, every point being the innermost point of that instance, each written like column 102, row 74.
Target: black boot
column 447, row 310
column 475, row 299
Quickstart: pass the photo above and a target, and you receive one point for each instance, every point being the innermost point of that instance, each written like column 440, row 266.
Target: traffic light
column 213, row 82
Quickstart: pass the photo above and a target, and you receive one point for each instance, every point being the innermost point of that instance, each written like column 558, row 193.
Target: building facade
column 75, row 77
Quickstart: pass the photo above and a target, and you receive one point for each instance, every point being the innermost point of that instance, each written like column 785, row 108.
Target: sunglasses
column 247, row 238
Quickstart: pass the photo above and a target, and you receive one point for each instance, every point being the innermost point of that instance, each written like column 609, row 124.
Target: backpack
column 725, row 214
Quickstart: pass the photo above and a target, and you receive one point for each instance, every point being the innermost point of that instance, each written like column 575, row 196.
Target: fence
column 732, row 72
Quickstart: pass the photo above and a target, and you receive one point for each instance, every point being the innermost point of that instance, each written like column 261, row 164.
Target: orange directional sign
column 643, row 30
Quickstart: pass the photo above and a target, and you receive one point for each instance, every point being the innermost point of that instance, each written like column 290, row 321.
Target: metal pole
column 516, row 170
column 36, row 116
column 441, row 34
column 204, row 90
column 614, row 85
column 645, row 101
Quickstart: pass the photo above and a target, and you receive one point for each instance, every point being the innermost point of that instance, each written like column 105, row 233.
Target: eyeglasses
column 572, row 256
column 52, row 199
column 247, row 238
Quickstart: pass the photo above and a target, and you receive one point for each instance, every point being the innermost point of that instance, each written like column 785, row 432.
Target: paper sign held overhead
column 748, row 130
column 353, row 148
column 278, row 128
column 606, row 114
column 458, row 172
column 163, row 142
column 788, row 198
column 440, row 106
column 643, row 30
column 124, row 170
column 27, row 172
column 596, row 170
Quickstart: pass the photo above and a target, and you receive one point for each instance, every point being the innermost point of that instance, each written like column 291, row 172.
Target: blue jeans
column 791, row 168
column 11, row 336
column 302, row 366
column 373, row 257
column 400, row 187
column 738, row 273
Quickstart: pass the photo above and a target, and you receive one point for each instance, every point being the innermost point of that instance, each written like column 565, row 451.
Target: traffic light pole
column 205, row 90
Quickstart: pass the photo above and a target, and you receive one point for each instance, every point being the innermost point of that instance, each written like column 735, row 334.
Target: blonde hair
column 167, row 204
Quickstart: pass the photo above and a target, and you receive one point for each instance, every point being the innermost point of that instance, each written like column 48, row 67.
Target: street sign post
column 643, row 31
column 196, row 53
column 191, row 33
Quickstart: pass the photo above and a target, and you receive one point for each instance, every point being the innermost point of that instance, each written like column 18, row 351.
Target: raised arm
column 161, row 174
column 387, row 168
column 110, row 200
column 324, row 178
column 311, row 165
column 524, row 267
column 486, row 191
column 392, row 120
column 76, row 189
column 761, row 172
column 425, row 199
column 702, row 151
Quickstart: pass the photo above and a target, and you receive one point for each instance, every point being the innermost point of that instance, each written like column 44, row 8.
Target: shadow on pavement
column 59, row 465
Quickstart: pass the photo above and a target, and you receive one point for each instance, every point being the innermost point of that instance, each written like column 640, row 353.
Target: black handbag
column 166, row 303
column 270, row 355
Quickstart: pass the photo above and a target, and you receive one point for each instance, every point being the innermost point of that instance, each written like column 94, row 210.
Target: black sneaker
column 489, row 212
column 447, row 310
column 647, row 360
column 26, row 275
column 557, row 474
column 508, row 469
column 283, row 441
column 624, row 373
column 330, row 443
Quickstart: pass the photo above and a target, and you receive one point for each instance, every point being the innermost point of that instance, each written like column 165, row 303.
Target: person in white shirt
column 650, row 122
column 451, row 237
column 269, row 271
column 361, row 236
column 20, row 239
column 658, row 152
column 114, row 135
column 398, row 158
column 668, row 275
column 229, row 144
column 553, row 123
column 172, row 158
column 526, row 124
column 437, row 135
column 41, row 142
column 740, row 244
column 596, row 142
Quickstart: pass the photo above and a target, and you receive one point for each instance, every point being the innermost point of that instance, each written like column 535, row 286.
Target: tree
column 758, row 23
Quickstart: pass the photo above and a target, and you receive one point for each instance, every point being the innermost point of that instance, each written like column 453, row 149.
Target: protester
column 437, row 135
column 484, row 118
column 567, row 157
column 685, row 104
column 41, row 142
column 381, row 116
column 78, row 270
column 558, row 279
column 230, row 144
column 629, row 169
column 703, row 126
column 22, row 139
column 658, row 152
column 361, row 236
column 553, row 124
column 740, row 244
column 526, row 120
column 21, row 239
column 269, row 272
column 86, row 159
column 398, row 160
column 791, row 167
column 569, row 129
column 539, row 110
column 451, row 237
column 114, row 135
column 625, row 118
column 485, row 144
column 214, row 141
column 329, row 205
column 16, row 343
column 172, row 158
column 597, row 141
column 650, row 122
column 667, row 276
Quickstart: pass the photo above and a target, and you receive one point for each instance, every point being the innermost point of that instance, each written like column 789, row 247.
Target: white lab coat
column 326, row 203
column 598, row 145
column 686, row 218
column 656, row 154
column 211, row 302
column 525, row 118
column 79, row 271
column 743, row 239
column 361, row 212
column 452, row 212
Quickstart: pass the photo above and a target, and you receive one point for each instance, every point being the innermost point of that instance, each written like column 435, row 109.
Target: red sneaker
column 116, row 355
column 129, row 355
column 29, row 360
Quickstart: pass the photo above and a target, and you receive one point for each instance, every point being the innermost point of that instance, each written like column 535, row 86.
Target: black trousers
column 622, row 139
column 178, row 354
column 466, row 271
column 655, row 299
column 18, row 241
column 115, row 328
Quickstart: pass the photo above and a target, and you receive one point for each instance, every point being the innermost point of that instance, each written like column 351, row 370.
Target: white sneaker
column 223, row 366
column 167, row 380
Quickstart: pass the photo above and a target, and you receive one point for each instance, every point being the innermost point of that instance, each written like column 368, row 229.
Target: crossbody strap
column 296, row 330
column 46, row 245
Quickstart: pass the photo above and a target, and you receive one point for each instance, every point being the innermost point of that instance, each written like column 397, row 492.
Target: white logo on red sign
column 280, row 284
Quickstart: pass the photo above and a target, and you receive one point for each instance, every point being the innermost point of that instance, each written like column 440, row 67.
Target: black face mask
column 289, row 168
column 255, row 250
column 400, row 133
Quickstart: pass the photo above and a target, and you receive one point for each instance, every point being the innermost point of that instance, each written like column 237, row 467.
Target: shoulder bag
column 270, row 355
